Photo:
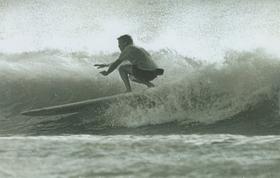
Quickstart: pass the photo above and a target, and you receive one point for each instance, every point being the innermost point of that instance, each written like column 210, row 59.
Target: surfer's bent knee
column 126, row 68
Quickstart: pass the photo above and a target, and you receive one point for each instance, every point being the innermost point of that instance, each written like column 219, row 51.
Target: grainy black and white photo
column 139, row 88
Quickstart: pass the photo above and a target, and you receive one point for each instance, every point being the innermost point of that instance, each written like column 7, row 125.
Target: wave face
column 191, row 96
column 221, row 61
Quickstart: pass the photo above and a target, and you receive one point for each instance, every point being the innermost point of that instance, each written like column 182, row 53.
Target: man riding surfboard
column 142, row 69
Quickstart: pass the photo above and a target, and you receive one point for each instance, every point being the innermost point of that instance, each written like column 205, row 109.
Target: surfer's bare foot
column 150, row 85
column 128, row 91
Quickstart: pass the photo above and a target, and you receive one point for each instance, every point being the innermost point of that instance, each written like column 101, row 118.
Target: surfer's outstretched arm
column 99, row 66
column 112, row 67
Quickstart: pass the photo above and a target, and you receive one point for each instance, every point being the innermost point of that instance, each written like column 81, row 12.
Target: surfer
column 142, row 69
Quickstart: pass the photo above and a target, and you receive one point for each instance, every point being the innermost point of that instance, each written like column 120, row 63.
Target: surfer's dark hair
column 126, row 38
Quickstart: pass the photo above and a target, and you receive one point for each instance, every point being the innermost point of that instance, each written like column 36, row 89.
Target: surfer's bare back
column 142, row 69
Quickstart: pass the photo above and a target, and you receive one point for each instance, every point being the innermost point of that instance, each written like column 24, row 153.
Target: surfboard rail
column 82, row 105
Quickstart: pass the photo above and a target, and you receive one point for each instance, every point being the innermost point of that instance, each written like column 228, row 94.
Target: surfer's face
column 122, row 44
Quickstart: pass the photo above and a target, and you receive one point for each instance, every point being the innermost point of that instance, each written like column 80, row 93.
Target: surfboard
column 75, row 107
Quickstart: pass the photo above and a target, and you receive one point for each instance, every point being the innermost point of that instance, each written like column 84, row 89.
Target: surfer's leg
column 147, row 83
column 124, row 71
column 143, row 76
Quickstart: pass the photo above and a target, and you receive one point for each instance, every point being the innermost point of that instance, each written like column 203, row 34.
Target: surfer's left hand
column 104, row 72
column 99, row 66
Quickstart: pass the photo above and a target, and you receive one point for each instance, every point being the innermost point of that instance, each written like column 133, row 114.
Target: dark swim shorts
column 145, row 75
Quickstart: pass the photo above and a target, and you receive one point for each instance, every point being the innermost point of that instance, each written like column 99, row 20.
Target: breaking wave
column 193, row 96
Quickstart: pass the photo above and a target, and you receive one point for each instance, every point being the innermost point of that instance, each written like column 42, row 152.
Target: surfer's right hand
column 99, row 66
column 105, row 73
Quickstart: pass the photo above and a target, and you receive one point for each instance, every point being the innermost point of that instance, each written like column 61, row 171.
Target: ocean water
column 140, row 156
column 216, row 108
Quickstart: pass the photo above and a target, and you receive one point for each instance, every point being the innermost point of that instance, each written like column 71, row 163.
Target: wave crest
column 190, row 91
